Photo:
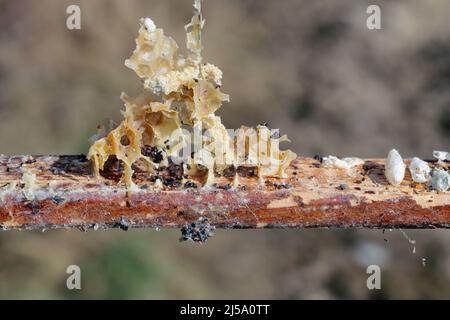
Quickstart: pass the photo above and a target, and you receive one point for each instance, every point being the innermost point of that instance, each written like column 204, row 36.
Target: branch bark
column 68, row 196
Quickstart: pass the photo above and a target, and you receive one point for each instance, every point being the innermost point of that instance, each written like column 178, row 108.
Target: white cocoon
column 394, row 168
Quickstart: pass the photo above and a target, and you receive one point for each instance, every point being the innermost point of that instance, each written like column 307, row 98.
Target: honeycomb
column 179, row 92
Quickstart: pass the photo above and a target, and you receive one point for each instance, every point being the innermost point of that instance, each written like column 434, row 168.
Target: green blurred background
column 311, row 68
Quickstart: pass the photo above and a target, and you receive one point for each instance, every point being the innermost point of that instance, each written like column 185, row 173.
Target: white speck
column 149, row 25
column 420, row 171
column 181, row 61
column 441, row 155
column 440, row 180
column 158, row 184
column 411, row 241
column 158, row 228
column 146, row 56
column 424, row 262
column 394, row 168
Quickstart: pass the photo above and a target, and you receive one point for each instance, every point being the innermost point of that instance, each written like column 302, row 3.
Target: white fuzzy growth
column 211, row 72
column 149, row 24
column 441, row 155
column 440, row 180
column 420, row 170
column 7, row 190
column 394, row 168
column 344, row 163
column 29, row 181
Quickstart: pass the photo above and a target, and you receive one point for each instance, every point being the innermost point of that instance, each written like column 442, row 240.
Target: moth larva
column 420, row 171
column 441, row 155
column 440, row 180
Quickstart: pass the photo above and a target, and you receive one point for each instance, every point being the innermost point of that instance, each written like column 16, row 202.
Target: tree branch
column 67, row 195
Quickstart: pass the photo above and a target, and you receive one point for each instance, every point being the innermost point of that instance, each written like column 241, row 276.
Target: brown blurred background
column 310, row 68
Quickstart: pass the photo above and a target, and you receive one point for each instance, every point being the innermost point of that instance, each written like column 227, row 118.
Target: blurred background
column 310, row 68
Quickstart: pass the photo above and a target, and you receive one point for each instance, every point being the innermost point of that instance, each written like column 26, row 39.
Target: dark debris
column 277, row 185
column 123, row 224
column 58, row 200
column 229, row 172
column 342, row 186
column 171, row 182
column 190, row 184
column 34, row 206
column 153, row 153
column 175, row 170
column 71, row 164
column 198, row 231
column 222, row 186
column 370, row 165
column 318, row 157
column 247, row 171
